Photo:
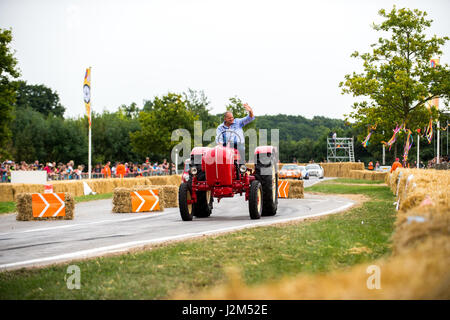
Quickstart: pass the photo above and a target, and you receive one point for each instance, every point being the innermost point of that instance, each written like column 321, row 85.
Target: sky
column 279, row 56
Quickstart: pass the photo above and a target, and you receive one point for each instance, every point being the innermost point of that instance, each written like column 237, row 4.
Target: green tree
column 37, row 137
column 397, row 79
column 198, row 103
column 39, row 98
column 111, row 137
column 8, row 88
column 129, row 112
column 236, row 106
column 161, row 117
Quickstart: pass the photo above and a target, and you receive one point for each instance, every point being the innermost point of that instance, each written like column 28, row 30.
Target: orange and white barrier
column 48, row 205
column 283, row 189
column 145, row 200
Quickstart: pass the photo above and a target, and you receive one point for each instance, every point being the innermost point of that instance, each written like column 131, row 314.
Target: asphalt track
column 96, row 231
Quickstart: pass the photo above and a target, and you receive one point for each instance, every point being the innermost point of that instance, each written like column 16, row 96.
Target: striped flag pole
column 87, row 101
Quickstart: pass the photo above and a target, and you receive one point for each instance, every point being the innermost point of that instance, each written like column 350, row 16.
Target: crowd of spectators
column 442, row 161
column 69, row 171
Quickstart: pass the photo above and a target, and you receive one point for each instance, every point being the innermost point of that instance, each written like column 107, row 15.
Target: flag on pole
column 87, row 93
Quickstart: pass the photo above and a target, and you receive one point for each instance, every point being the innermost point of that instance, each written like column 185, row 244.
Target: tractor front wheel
column 186, row 209
column 255, row 200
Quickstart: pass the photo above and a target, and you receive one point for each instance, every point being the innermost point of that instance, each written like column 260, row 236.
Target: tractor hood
column 219, row 163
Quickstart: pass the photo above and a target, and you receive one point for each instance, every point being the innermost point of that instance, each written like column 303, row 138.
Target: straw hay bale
column 295, row 189
column 367, row 175
column 415, row 194
column 25, row 209
column 9, row 191
column 128, row 182
column 394, row 177
column 6, row 192
column 418, row 224
column 168, row 195
column 425, row 183
column 19, row 188
column 101, row 185
column 379, row 176
column 165, row 180
column 74, row 187
column 122, row 200
column 158, row 180
column 340, row 169
column 122, row 197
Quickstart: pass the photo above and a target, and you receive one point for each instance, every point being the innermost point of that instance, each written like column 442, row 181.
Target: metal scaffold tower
column 340, row 150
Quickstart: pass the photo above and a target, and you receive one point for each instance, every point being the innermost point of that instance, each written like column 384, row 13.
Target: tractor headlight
column 194, row 170
column 243, row 168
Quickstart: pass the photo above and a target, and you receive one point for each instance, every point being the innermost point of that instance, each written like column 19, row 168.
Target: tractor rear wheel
column 268, row 175
column 255, row 200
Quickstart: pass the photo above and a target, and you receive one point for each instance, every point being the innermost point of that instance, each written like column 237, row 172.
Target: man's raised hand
column 249, row 109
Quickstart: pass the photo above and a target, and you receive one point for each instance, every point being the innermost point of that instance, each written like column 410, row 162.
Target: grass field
column 6, row 207
column 94, row 197
column 262, row 254
column 356, row 181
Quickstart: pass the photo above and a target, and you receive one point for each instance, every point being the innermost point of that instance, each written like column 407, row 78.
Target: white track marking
column 85, row 224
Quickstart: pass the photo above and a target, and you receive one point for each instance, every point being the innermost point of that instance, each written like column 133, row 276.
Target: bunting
column 429, row 131
column 408, row 145
column 370, row 130
column 394, row 136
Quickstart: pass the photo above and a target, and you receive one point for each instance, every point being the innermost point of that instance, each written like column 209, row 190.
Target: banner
column 434, row 102
column 87, row 93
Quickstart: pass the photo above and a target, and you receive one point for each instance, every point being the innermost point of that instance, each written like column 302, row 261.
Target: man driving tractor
column 230, row 132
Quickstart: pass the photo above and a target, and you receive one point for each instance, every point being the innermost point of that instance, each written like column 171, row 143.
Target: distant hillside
column 298, row 127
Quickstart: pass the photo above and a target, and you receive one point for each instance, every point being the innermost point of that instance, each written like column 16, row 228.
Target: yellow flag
column 87, row 93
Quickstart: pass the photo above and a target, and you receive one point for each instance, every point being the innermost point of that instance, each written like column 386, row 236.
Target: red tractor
column 219, row 173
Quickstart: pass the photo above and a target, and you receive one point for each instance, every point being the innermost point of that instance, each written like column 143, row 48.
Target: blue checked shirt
column 233, row 133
